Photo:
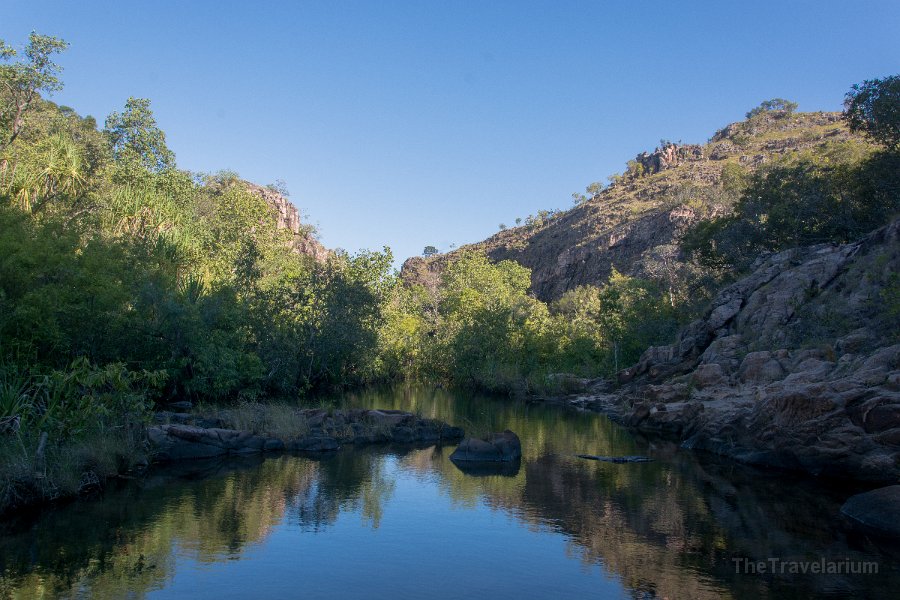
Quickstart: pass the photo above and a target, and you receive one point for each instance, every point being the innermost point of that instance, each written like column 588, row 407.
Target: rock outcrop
column 794, row 366
column 877, row 511
column 668, row 156
column 288, row 217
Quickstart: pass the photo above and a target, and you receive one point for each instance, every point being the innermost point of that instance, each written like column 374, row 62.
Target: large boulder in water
column 496, row 447
column 878, row 510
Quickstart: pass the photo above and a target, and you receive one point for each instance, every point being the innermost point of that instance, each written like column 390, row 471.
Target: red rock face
column 288, row 217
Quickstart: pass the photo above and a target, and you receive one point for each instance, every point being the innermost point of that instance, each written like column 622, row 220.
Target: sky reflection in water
column 404, row 522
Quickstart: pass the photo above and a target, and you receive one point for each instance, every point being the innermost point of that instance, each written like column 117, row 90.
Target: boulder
column 707, row 375
column 878, row 510
column 497, row 447
column 390, row 418
column 760, row 367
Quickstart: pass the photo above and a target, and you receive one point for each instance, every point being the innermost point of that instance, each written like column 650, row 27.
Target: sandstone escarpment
column 634, row 224
column 795, row 366
column 288, row 217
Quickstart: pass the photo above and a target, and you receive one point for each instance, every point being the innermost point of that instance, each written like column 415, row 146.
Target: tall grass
column 65, row 432
column 280, row 420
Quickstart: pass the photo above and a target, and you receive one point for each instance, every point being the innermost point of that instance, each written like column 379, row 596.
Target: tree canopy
column 873, row 107
column 23, row 81
column 136, row 142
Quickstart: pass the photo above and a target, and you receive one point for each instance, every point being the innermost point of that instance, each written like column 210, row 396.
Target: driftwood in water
column 617, row 459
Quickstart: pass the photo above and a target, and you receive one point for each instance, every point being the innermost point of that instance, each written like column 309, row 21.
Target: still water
column 404, row 522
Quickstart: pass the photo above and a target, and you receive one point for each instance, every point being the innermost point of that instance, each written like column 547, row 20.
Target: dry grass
column 279, row 420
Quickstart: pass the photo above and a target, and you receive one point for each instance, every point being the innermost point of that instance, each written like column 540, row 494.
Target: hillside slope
column 633, row 224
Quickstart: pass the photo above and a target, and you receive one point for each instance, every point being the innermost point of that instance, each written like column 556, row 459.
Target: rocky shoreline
column 794, row 367
column 184, row 436
column 261, row 429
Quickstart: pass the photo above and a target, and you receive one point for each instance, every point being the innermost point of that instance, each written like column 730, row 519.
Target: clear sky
column 423, row 122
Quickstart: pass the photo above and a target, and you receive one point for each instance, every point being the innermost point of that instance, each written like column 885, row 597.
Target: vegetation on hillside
column 836, row 194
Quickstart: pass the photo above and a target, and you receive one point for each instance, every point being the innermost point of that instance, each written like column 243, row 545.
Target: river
column 405, row 522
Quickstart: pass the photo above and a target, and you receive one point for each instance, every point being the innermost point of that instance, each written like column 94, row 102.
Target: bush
column 779, row 106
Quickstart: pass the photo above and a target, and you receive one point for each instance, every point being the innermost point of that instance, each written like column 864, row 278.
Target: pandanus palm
column 56, row 169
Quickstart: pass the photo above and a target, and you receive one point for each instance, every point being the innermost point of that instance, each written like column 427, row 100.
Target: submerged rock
column 497, row 447
column 878, row 510
column 617, row 459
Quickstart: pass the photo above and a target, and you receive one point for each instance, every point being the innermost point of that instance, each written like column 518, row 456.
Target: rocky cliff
column 633, row 225
column 288, row 217
column 795, row 366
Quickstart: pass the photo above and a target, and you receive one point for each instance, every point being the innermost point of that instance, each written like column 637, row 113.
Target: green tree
column 873, row 107
column 808, row 201
column 780, row 106
column 23, row 81
column 136, row 143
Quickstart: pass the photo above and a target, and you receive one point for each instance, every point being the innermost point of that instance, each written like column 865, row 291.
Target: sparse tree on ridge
column 775, row 105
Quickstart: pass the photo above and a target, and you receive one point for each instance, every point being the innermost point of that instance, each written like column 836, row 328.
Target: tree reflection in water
column 663, row 529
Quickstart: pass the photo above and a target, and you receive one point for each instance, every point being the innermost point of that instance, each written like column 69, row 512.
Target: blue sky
column 414, row 123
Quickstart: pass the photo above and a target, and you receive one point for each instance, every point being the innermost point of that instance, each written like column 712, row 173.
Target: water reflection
column 664, row 529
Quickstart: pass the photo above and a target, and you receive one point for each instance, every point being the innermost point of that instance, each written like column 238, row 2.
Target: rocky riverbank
column 796, row 366
column 246, row 430
column 184, row 436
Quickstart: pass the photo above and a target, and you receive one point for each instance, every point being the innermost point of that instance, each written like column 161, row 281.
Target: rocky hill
column 633, row 224
column 795, row 366
column 288, row 217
